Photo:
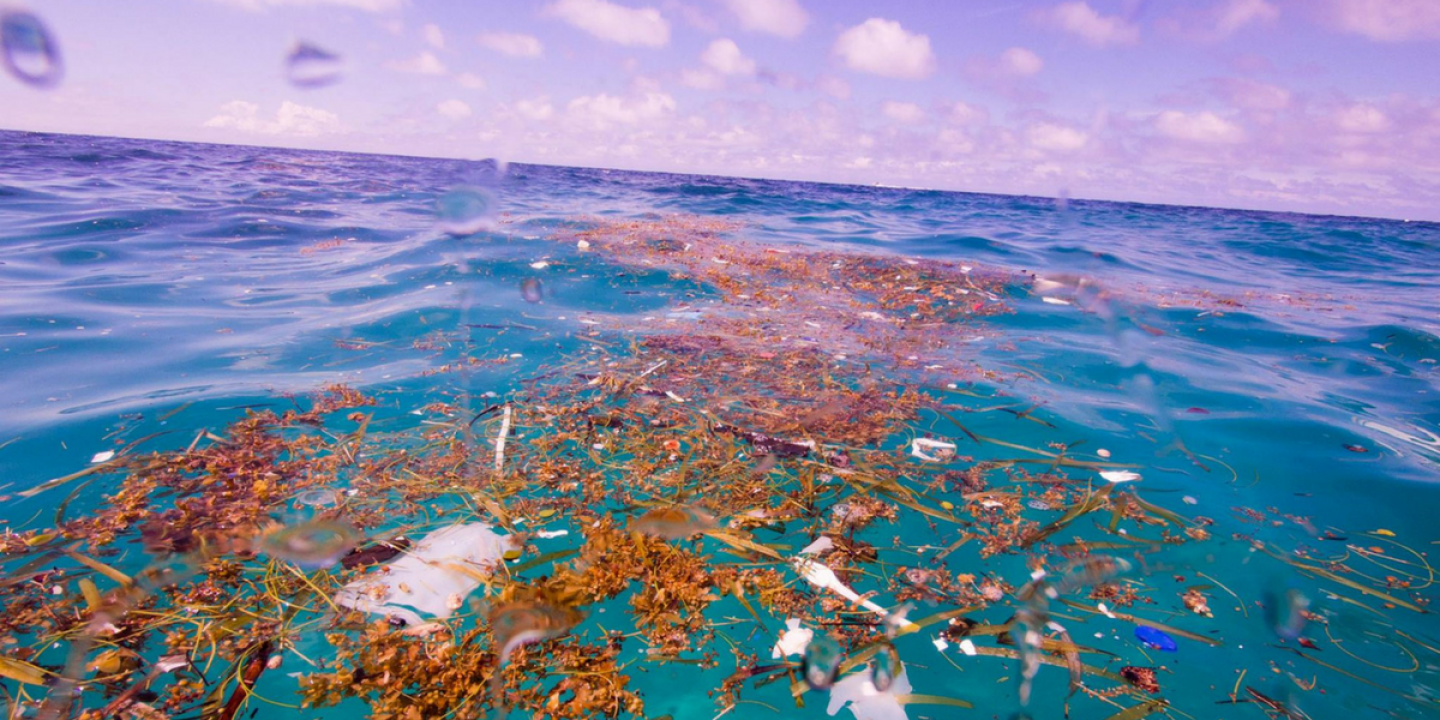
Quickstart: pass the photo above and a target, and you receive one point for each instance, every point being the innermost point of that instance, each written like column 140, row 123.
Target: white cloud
column 963, row 114
column 290, row 119
column 834, row 87
column 724, row 56
column 883, row 47
column 903, row 112
column 1252, row 94
column 1362, row 118
column 535, row 108
column 423, row 64
column 603, row 111
column 1078, row 18
column 513, row 44
column 453, row 109
column 1202, row 127
column 701, row 79
column 366, row 5
column 1020, row 61
column 778, row 17
column 434, row 37
column 1049, row 136
column 614, row 23
column 1237, row 14
column 1388, row 20
column 470, row 81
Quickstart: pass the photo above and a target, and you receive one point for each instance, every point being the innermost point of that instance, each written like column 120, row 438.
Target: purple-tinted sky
column 1314, row 105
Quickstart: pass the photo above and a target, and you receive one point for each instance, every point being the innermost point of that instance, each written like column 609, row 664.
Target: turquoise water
column 1276, row 362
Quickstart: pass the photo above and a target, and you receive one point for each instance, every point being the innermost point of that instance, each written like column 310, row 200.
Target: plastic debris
column 1155, row 639
column 448, row 561
column 793, row 640
column 932, row 450
column 858, row 692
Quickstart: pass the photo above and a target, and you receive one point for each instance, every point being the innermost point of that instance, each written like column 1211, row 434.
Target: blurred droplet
column 519, row 624
column 1092, row 571
column 311, row 545
column 466, row 210
column 673, row 523
column 1286, row 612
column 887, row 666
column 821, row 661
column 308, row 66
column 30, row 52
column 532, row 290
column 317, row 497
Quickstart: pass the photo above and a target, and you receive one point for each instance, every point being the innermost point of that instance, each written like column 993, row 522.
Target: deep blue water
column 138, row 276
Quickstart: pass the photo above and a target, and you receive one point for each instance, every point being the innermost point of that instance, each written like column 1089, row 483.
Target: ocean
column 1044, row 424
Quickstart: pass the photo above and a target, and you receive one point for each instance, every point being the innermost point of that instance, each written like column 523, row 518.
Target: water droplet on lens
column 532, row 291
column 465, row 210
column 308, row 66
column 31, row 54
column 317, row 497
column 519, row 624
column 887, row 665
column 673, row 523
column 821, row 661
column 311, row 545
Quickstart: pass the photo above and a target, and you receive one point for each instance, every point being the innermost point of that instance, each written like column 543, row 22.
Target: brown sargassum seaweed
column 784, row 417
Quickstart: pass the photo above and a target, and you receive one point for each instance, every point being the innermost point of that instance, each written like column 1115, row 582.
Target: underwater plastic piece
column 868, row 702
column 821, row 662
column 311, row 545
column 443, row 565
column 1155, row 639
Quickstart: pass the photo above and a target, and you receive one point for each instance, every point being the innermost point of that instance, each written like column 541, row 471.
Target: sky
column 1329, row 106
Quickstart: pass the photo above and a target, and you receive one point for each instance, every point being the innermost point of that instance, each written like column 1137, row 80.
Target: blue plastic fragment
column 1155, row 639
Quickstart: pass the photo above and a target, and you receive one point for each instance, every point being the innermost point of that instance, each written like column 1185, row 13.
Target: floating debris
column 793, row 640
column 448, row 563
column 1155, row 639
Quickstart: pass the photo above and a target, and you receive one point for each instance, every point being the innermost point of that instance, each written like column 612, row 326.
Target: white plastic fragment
column 1102, row 452
column 540, row 265
column 793, row 640
column 551, row 534
column 449, row 561
column 940, row 643
column 102, row 456
column 859, row 693
column 1055, row 300
column 1105, row 610
column 1190, row 500
column 968, row 647
column 819, row 546
column 923, row 447
column 500, row 440
column 820, row 575
column 1119, row 476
